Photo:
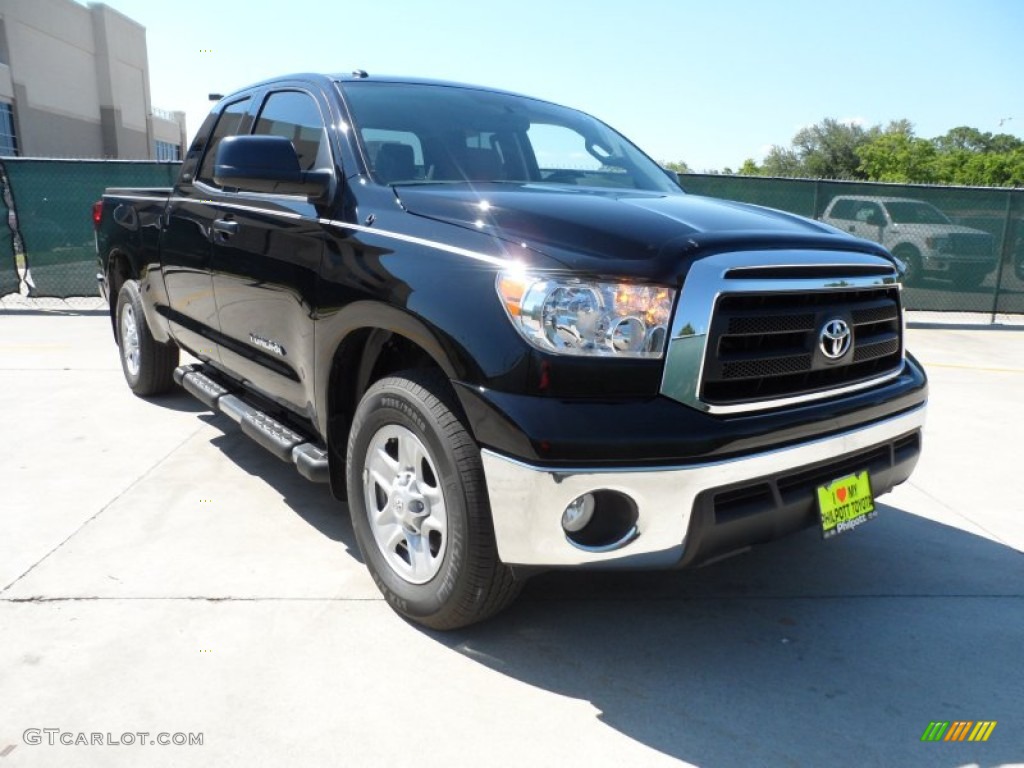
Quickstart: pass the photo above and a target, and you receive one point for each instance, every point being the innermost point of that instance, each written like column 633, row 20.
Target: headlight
column 581, row 317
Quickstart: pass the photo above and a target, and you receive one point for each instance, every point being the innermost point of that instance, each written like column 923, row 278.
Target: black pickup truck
column 507, row 338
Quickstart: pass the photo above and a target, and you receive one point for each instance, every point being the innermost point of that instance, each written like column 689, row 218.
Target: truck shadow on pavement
column 311, row 502
column 177, row 400
column 801, row 652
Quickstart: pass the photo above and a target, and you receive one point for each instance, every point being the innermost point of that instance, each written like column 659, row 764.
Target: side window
column 869, row 213
column 565, row 156
column 295, row 116
column 561, row 148
column 228, row 124
column 843, row 209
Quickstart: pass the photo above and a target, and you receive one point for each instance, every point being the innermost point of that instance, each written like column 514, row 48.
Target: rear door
column 185, row 250
column 266, row 258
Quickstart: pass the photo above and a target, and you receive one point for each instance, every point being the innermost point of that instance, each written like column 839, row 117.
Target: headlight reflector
column 584, row 317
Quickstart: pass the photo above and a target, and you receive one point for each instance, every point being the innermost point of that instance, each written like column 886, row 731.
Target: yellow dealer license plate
column 845, row 503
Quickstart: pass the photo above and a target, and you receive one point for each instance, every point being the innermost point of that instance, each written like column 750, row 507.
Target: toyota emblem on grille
column 835, row 339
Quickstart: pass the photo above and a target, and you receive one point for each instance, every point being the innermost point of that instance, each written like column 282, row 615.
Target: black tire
column 151, row 370
column 911, row 257
column 469, row 584
column 968, row 276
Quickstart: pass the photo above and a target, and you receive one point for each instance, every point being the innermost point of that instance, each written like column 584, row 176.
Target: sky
column 708, row 82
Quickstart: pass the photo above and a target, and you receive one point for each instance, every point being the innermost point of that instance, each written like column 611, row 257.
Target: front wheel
column 418, row 500
column 148, row 365
column 913, row 272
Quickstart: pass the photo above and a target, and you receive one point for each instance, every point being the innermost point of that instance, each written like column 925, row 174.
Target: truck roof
column 358, row 76
column 880, row 199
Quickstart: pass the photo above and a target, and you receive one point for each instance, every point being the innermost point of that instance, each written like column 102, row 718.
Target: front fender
column 333, row 329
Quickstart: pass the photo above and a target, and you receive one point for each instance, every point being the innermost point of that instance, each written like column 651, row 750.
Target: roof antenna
column 360, row 73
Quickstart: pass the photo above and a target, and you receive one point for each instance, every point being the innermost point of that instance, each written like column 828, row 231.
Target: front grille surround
column 746, row 331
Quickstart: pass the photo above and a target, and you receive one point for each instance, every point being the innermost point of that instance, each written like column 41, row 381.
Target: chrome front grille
column 979, row 245
column 766, row 345
column 747, row 331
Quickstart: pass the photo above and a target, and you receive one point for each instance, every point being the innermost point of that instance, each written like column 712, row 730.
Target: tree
column 782, row 162
column 679, row 166
column 829, row 149
column 897, row 155
column 750, row 168
column 985, row 169
column 1004, row 142
column 972, row 140
column 963, row 138
column 844, row 150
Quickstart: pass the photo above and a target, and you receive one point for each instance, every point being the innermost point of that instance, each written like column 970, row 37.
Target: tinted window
column 464, row 134
column 375, row 139
column 869, row 213
column 228, row 124
column 843, row 209
column 8, row 138
column 912, row 212
column 295, row 116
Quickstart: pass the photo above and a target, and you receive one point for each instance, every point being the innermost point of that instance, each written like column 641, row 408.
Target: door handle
column 225, row 226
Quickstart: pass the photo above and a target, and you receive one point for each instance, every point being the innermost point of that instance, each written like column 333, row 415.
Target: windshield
column 916, row 213
column 428, row 134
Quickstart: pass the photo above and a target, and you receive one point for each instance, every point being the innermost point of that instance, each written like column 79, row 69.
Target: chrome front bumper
column 527, row 502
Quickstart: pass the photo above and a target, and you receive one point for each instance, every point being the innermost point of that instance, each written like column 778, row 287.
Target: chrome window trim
column 707, row 281
column 506, row 262
column 232, row 194
column 146, row 198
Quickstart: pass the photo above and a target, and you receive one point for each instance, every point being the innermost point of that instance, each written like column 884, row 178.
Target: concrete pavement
column 159, row 572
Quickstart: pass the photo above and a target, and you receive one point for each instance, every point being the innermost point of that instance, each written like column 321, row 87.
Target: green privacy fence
column 964, row 245
column 52, row 204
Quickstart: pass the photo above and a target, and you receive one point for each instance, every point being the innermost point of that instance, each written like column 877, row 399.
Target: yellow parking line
column 972, row 368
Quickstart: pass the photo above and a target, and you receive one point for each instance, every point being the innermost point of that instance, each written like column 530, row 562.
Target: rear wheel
column 148, row 365
column 968, row 276
column 418, row 500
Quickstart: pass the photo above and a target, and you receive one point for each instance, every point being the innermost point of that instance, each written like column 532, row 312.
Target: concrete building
column 74, row 82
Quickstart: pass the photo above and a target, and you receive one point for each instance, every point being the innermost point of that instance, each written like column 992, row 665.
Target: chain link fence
column 47, row 207
column 963, row 246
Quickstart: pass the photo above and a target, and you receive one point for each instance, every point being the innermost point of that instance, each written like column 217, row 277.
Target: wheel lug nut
column 416, row 506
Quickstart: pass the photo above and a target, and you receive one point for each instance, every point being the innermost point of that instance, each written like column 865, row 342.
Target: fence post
column 1005, row 254
column 14, row 226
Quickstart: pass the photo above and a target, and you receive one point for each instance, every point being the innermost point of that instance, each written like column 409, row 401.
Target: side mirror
column 266, row 164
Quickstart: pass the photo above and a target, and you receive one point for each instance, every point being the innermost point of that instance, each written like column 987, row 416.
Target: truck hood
column 639, row 234
column 931, row 230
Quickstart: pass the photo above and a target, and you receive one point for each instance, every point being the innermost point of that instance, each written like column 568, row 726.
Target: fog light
column 578, row 513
